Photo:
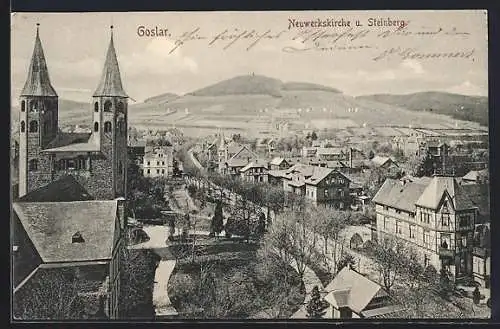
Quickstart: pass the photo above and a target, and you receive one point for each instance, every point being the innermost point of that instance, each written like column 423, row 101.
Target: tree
column 316, row 308
column 137, row 278
column 51, row 294
column 244, row 217
column 217, row 220
column 314, row 136
column 346, row 260
column 388, row 260
column 332, row 222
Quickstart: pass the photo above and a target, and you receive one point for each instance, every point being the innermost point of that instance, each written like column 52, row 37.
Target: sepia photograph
column 280, row 165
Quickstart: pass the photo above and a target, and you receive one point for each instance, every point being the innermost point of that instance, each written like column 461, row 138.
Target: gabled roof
column 380, row 161
column 320, row 173
column 64, row 189
column 277, row 161
column 257, row 163
column 111, row 81
column 473, row 175
column 433, row 194
column 235, row 162
column 398, row 195
column 51, row 226
column 238, row 149
column 38, row 81
column 353, row 290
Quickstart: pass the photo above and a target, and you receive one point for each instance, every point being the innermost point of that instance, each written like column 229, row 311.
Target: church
column 68, row 220
column 98, row 159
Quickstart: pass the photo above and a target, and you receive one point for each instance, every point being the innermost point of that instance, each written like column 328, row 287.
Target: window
column 33, row 126
column 120, row 107
column 23, row 126
column 23, row 106
column 464, row 220
column 149, row 171
column 33, row 165
column 326, row 193
column 71, row 164
column 157, row 163
column 445, row 241
column 163, row 163
column 426, row 260
column 107, row 106
column 107, row 127
column 412, row 231
column 96, row 126
column 445, row 219
column 120, row 168
column 157, row 171
column 463, row 241
column 148, row 164
column 385, row 223
column 96, row 107
column 163, row 171
column 427, row 239
column 399, row 229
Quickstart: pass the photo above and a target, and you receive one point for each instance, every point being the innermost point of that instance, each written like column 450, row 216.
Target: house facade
column 158, row 161
column 255, row 172
column 435, row 215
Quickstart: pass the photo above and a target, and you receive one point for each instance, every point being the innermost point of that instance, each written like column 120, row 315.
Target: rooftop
column 51, row 226
column 64, row 189
column 351, row 289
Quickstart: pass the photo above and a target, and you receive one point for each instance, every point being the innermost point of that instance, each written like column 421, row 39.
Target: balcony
column 446, row 253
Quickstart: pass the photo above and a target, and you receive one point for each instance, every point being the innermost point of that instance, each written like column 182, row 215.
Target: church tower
column 38, row 122
column 109, row 127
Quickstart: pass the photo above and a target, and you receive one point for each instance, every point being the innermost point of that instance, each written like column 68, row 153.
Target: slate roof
column 432, row 195
column 380, row 161
column 361, row 290
column 277, row 161
column 396, row 195
column 235, row 162
column 38, row 81
column 473, row 175
column 51, row 225
column 276, row 173
column 111, row 82
column 258, row 163
column 64, row 189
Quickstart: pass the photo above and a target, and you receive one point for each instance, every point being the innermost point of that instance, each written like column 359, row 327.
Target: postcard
column 286, row 165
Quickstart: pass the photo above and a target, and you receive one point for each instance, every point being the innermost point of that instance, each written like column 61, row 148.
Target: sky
column 345, row 58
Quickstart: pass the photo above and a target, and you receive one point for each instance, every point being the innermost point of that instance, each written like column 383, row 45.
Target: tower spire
column 38, row 81
column 111, row 82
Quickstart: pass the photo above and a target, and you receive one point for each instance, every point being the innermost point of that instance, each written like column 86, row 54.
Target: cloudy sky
column 75, row 46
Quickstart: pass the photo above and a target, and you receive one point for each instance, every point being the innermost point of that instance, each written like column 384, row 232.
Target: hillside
column 304, row 86
column 461, row 107
column 243, row 85
column 163, row 98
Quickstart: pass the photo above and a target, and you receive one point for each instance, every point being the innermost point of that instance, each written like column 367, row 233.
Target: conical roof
column 38, row 81
column 111, row 82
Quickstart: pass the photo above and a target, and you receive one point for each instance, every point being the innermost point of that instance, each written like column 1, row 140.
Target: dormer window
column 77, row 238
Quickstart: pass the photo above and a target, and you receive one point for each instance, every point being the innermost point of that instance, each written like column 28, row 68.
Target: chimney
column 120, row 209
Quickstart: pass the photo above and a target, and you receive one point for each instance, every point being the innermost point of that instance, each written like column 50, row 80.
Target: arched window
column 32, row 106
column 33, row 126
column 120, row 107
column 120, row 168
column 96, row 107
column 23, row 126
column 33, row 165
column 107, row 106
column 23, row 106
column 107, row 127
column 96, row 126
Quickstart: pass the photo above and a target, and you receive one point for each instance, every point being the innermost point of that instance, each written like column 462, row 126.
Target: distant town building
column 279, row 163
column 158, row 161
column 255, row 171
